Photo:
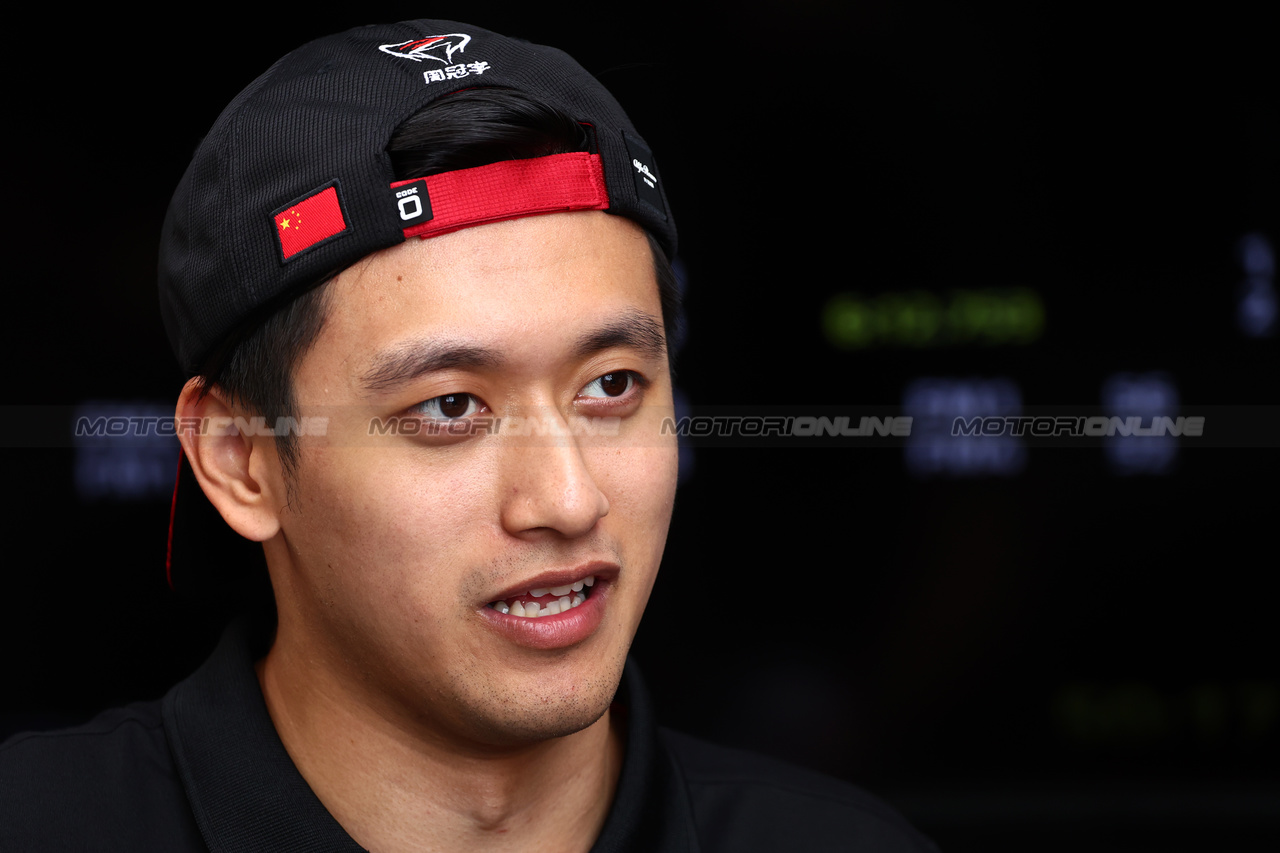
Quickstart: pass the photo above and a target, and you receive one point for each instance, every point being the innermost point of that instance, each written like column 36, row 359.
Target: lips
column 554, row 609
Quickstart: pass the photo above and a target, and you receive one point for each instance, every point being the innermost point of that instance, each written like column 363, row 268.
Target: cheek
column 382, row 521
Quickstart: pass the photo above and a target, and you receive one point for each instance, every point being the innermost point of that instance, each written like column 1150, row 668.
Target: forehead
column 523, row 287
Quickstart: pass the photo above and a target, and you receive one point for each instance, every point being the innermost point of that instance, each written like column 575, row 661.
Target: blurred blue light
column 1256, row 307
column 934, row 403
column 121, row 452
column 1145, row 396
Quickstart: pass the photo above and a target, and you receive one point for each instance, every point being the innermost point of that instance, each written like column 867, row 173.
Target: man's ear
column 240, row 474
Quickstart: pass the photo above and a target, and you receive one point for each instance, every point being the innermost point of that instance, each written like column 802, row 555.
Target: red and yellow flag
column 311, row 220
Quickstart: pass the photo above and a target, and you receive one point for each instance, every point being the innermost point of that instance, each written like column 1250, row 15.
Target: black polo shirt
column 203, row 770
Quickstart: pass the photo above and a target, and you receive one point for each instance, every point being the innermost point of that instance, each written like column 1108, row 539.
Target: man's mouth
column 546, row 601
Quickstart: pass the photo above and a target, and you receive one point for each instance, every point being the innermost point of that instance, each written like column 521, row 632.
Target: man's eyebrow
column 401, row 365
column 634, row 329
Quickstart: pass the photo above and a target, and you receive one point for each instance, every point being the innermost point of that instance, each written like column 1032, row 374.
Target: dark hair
column 474, row 127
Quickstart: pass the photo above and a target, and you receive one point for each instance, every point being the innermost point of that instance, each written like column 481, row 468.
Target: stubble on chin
column 525, row 713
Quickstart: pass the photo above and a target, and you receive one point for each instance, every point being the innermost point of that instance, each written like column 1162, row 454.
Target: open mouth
column 546, row 601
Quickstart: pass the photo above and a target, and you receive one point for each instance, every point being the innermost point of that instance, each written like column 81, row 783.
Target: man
column 419, row 276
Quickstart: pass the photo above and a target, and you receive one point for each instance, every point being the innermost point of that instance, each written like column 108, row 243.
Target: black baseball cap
column 293, row 181
column 305, row 144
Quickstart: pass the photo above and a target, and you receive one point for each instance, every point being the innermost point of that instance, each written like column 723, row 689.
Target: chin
column 532, row 713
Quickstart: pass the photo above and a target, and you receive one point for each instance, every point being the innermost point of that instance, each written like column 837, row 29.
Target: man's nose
column 548, row 485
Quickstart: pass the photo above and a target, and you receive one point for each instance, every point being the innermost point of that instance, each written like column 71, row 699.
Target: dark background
column 1046, row 648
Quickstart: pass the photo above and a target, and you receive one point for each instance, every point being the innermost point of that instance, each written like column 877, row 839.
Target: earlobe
column 239, row 473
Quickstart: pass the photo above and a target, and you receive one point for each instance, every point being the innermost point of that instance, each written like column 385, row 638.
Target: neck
column 394, row 784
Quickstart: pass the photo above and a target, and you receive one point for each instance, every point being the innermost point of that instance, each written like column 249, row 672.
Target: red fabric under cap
column 511, row 189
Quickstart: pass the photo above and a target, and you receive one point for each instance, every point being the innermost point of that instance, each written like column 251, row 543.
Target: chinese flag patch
column 308, row 221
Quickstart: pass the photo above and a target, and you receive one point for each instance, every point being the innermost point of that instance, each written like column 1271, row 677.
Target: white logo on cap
column 649, row 177
column 429, row 47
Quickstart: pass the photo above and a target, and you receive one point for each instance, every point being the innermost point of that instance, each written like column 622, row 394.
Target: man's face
column 394, row 548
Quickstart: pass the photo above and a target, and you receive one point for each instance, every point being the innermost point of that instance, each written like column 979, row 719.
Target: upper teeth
column 569, row 596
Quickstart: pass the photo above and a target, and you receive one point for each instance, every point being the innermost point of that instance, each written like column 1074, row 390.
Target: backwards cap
column 293, row 182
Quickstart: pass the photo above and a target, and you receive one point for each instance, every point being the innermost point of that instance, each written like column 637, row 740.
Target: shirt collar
column 248, row 796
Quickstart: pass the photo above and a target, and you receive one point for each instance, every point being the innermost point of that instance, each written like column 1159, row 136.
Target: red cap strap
column 511, row 189
column 173, row 512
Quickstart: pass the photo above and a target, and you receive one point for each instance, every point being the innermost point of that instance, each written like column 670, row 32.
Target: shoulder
column 743, row 802
column 89, row 787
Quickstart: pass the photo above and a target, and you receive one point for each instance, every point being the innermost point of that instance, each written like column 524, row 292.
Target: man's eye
column 448, row 407
column 610, row 385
